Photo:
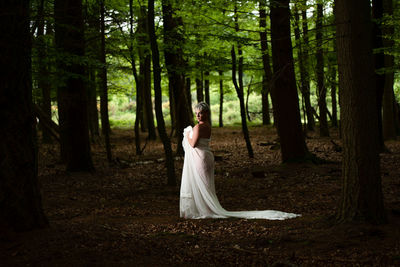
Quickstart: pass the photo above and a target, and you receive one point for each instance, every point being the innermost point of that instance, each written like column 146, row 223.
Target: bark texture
column 20, row 200
column 284, row 91
column 361, row 192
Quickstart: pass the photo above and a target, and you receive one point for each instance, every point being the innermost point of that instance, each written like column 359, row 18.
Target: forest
column 305, row 114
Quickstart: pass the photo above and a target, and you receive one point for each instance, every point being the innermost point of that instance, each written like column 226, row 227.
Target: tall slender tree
column 173, row 53
column 169, row 159
column 267, row 75
column 284, row 91
column 388, row 105
column 239, row 86
column 379, row 63
column 20, row 201
column 43, row 71
column 145, row 71
column 105, row 123
column 221, row 99
column 304, row 74
column 71, row 91
column 361, row 190
column 303, row 61
column 321, row 87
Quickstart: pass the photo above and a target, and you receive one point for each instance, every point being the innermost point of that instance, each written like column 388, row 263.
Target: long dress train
column 198, row 199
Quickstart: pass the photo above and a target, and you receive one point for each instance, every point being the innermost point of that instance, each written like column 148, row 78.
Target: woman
column 198, row 198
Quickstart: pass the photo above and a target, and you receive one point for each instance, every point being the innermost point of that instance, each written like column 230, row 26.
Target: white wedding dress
column 198, row 199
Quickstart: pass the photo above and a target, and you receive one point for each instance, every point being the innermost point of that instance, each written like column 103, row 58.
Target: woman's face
column 201, row 115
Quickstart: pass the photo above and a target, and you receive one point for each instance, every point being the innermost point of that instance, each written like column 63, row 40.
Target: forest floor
column 124, row 215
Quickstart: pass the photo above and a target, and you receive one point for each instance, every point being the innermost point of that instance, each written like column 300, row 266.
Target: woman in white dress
column 197, row 197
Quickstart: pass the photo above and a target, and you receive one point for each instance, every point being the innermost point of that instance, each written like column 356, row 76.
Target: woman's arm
column 195, row 137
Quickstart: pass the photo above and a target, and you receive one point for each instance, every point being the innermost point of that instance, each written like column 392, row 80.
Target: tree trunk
column 169, row 160
column 189, row 94
column 379, row 63
column 265, row 103
column 304, row 81
column 221, row 99
column 304, row 73
column 138, row 81
column 144, row 51
column 266, row 82
column 199, row 86
column 71, row 93
column 43, row 73
column 333, row 83
column 239, row 88
column 20, row 204
column 361, row 192
column 173, row 53
column 207, row 87
column 284, row 90
column 321, row 93
column 388, row 111
column 93, row 113
column 105, row 123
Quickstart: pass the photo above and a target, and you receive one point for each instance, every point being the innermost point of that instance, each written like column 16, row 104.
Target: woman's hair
column 202, row 106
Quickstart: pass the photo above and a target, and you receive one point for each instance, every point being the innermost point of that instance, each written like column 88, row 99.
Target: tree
column 105, row 123
column 145, row 72
column 361, row 190
column 379, row 63
column 388, row 105
column 20, row 204
column 43, row 71
column 283, row 90
column 169, row 160
column 239, row 87
column 173, row 53
column 266, row 81
column 71, row 91
column 304, row 72
column 221, row 99
column 323, row 122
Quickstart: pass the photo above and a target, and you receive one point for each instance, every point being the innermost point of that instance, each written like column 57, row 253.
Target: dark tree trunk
column 144, row 51
column 266, row 118
column 333, row 85
column 105, row 123
column 379, row 63
column 221, row 99
column 304, row 73
column 93, row 113
column 72, row 101
column 207, row 87
column 169, row 162
column 388, row 105
column 20, row 205
column 199, row 90
column 266, row 82
column 92, row 30
column 173, row 53
column 239, row 88
column 207, row 91
column 361, row 192
column 303, row 61
column 189, row 94
column 284, row 91
column 43, row 72
column 321, row 88
column 138, row 81
column 247, row 99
